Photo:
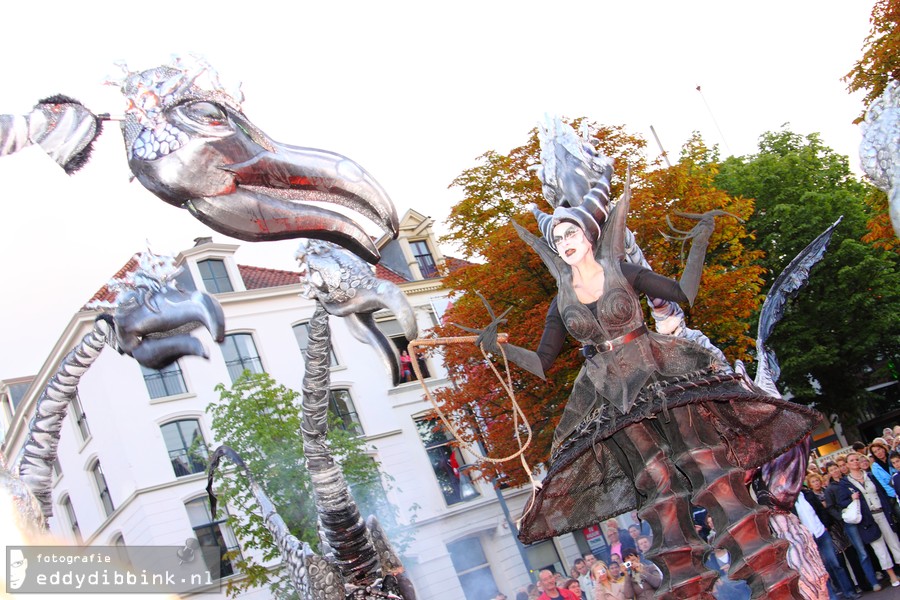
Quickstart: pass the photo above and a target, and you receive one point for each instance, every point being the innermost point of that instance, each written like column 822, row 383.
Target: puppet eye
column 205, row 112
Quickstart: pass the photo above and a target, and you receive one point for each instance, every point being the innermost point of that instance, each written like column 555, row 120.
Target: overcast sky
column 412, row 92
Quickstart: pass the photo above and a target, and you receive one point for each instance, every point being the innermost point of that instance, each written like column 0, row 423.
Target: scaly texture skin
column 879, row 152
column 151, row 305
column 35, row 462
column 346, row 287
column 361, row 562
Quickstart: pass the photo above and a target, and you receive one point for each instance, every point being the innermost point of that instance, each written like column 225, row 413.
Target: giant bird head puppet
column 190, row 144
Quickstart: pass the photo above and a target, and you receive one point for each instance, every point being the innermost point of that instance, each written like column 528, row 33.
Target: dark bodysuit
column 612, row 380
column 636, row 376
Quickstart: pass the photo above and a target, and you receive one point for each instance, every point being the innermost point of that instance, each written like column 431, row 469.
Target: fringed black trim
column 84, row 155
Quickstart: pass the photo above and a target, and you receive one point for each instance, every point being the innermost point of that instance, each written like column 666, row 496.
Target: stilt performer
column 654, row 422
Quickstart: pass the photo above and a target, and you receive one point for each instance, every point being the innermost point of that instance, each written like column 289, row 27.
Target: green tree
column 512, row 276
column 260, row 420
column 840, row 332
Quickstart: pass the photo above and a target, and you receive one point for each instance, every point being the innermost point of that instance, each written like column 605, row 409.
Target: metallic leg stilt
column 677, row 549
column 757, row 556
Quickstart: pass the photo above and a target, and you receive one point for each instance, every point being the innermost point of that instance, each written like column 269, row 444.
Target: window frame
column 390, row 327
column 421, row 249
column 121, row 549
column 160, row 377
column 218, row 529
column 191, row 468
column 463, row 573
column 214, row 279
column 466, row 489
column 243, row 361
column 65, row 501
column 102, row 487
column 80, row 417
column 355, row 424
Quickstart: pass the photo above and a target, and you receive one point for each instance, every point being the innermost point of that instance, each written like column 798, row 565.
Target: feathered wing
column 786, row 286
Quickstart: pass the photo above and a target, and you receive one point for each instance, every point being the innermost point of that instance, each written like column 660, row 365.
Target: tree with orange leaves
column 880, row 232
column 731, row 292
column 880, row 61
column 513, row 277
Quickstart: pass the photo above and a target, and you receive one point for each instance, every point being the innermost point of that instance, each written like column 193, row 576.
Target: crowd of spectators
column 859, row 552
column 617, row 572
column 853, row 504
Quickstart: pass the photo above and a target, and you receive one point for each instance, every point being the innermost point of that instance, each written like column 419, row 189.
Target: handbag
column 852, row 514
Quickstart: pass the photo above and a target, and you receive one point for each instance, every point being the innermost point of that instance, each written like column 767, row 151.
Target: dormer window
column 423, row 257
column 214, row 275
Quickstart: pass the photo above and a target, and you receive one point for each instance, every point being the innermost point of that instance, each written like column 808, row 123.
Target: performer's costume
column 647, row 410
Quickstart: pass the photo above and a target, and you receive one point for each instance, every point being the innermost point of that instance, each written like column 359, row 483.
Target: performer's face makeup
column 571, row 243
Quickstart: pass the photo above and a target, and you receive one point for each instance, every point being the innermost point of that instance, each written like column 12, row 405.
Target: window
column 392, row 330
column 447, row 462
column 187, row 450
column 422, row 254
column 102, row 489
column 212, row 533
column 371, row 498
column 121, row 551
column 17, row 392
column 543, row 555
column 167, row 381
column 240, row 354
column 341, row 405
column 57, row 469
column 66, row 503
column 472, row 568
column 80, row 417
column 214, row 275
column 301, row 332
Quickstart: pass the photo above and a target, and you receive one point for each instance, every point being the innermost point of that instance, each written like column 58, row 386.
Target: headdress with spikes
column 575, row 178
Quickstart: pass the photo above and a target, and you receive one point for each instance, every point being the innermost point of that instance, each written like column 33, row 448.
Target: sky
column 414, row 92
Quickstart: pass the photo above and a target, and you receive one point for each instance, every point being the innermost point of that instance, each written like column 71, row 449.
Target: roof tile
column 256, row 278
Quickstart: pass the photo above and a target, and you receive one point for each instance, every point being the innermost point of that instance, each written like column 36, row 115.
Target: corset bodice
column 617, row 312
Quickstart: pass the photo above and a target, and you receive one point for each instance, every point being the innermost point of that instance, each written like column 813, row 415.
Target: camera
column 627, row 564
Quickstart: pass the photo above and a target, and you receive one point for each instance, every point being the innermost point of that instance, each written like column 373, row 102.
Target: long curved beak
column 156, row 336
column 273, row 192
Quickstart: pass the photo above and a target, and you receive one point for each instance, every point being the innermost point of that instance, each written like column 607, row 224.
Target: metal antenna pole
column 715, row 122
column 661, row 149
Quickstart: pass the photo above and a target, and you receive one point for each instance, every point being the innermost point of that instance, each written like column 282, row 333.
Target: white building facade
column 127, row 474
